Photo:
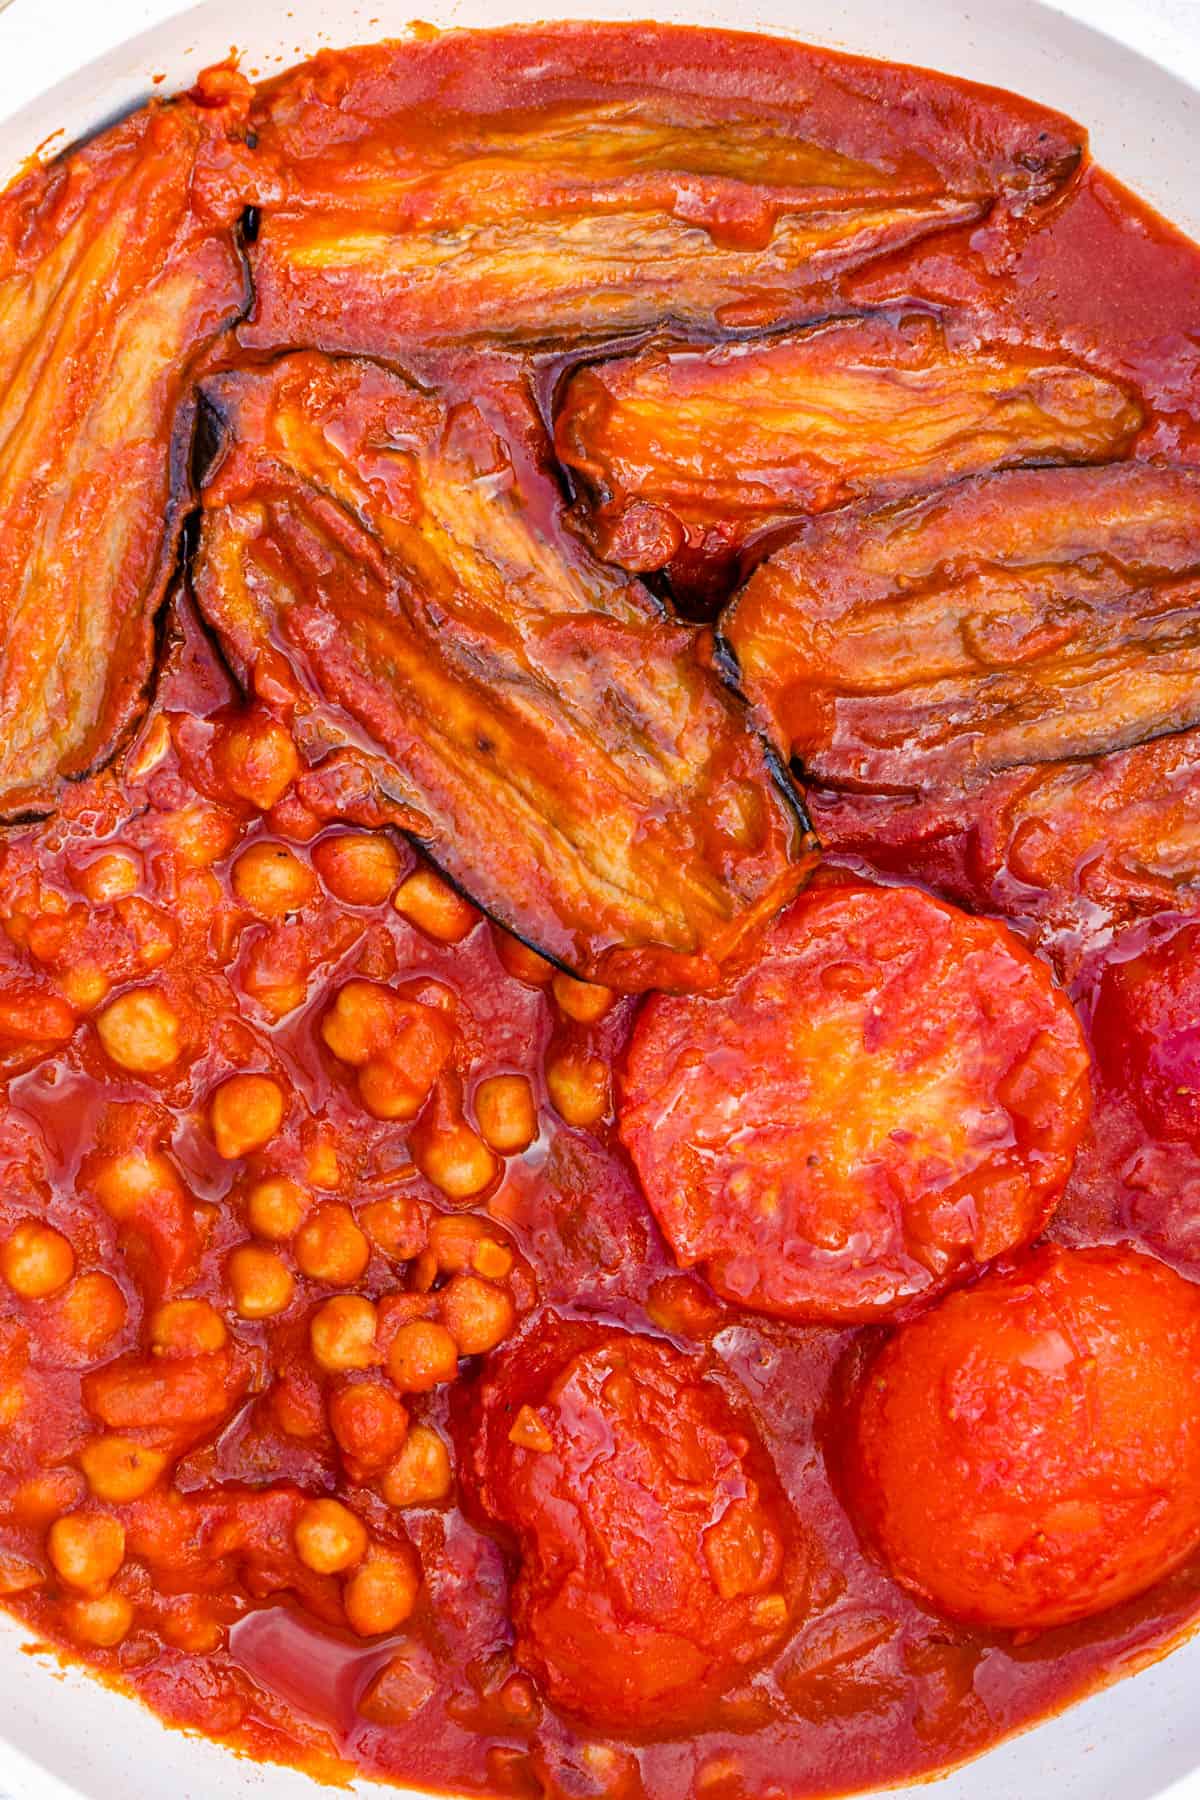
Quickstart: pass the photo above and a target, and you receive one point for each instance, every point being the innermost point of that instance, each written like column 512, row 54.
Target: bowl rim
column 89, row 62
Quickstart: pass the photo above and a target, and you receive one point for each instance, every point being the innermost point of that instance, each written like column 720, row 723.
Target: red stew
column 480, row 519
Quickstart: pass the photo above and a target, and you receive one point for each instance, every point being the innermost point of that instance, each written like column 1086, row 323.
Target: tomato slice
column 892, row 1094
column 657, row 1557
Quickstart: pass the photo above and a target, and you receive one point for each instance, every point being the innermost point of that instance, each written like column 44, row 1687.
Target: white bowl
column 63, row 1737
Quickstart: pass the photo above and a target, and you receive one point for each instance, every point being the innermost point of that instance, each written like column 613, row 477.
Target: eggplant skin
column 687, row 451
column 1068, row 848
column 1019, row 618
column 531, row 191
column 401, row 567
column 119, row 263
column 349, row 286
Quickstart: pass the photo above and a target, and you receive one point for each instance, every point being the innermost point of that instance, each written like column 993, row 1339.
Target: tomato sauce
column 440, row 1166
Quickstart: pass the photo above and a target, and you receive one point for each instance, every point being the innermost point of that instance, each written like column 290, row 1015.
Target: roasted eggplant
column 118, row 265
column 1017, row 618
column 1073, row 846
column 446, row 191
column 687, row 451
column 398, row 566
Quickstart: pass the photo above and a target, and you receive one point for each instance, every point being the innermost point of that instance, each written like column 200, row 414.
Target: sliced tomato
column 891, row 1095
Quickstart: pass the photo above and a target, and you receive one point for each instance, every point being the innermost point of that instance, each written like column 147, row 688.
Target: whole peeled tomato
column 656, row 1552
column 890, row 1096
column 1147, row 1032
column 1027, row 1452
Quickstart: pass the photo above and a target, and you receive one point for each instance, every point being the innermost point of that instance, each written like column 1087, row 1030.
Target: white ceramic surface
column 1130, row 70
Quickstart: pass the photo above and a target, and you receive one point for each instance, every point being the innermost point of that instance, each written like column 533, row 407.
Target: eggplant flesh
column 434, row 195
column 346, row 284
column 118, row 265
column 689, row 451
column 1020, row 618
column 400, row 566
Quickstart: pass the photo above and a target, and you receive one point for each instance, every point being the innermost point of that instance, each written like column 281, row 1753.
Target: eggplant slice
column 691, row 450
column 1019, row 618
column 119, row 263
column 454, row 190
column 1073, row 846
column 399, row 566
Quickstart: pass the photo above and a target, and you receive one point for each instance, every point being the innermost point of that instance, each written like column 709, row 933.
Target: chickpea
column 421, row 1474
column 119, row 1469
column 36, row 1260
column 433, row 907
column 360, row 868
column 43, row 1497
column 387, row 1091
column 293, row 819
column 140, row 1032
column 276, row 1207
column 246, row 1112
column 110, row 876
column 361, row 1023
column 381, row 1595
column 84, row 986
column 190, row 1626
column 399, row 1046
column 578, row 1088
column 584, row 1001
column 183, row 1328
column 457, row 1244
column 453, row 1241
column 399, row 1227
column 101, row 1620
column 522, row 963
column 258, row 760
column 86, row 1549
column 456, row 1160
column 506, row 1114
column 330, row 1247
column 125, row 1182
column 477, row 1315
column 91, row 1313
column 342, row 1333
column 423, row 1356
column 271, row 880
column 261, row 1282
column 369, row 1423
column 329, row 1538
column 198, row 835
column 492, row 1259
